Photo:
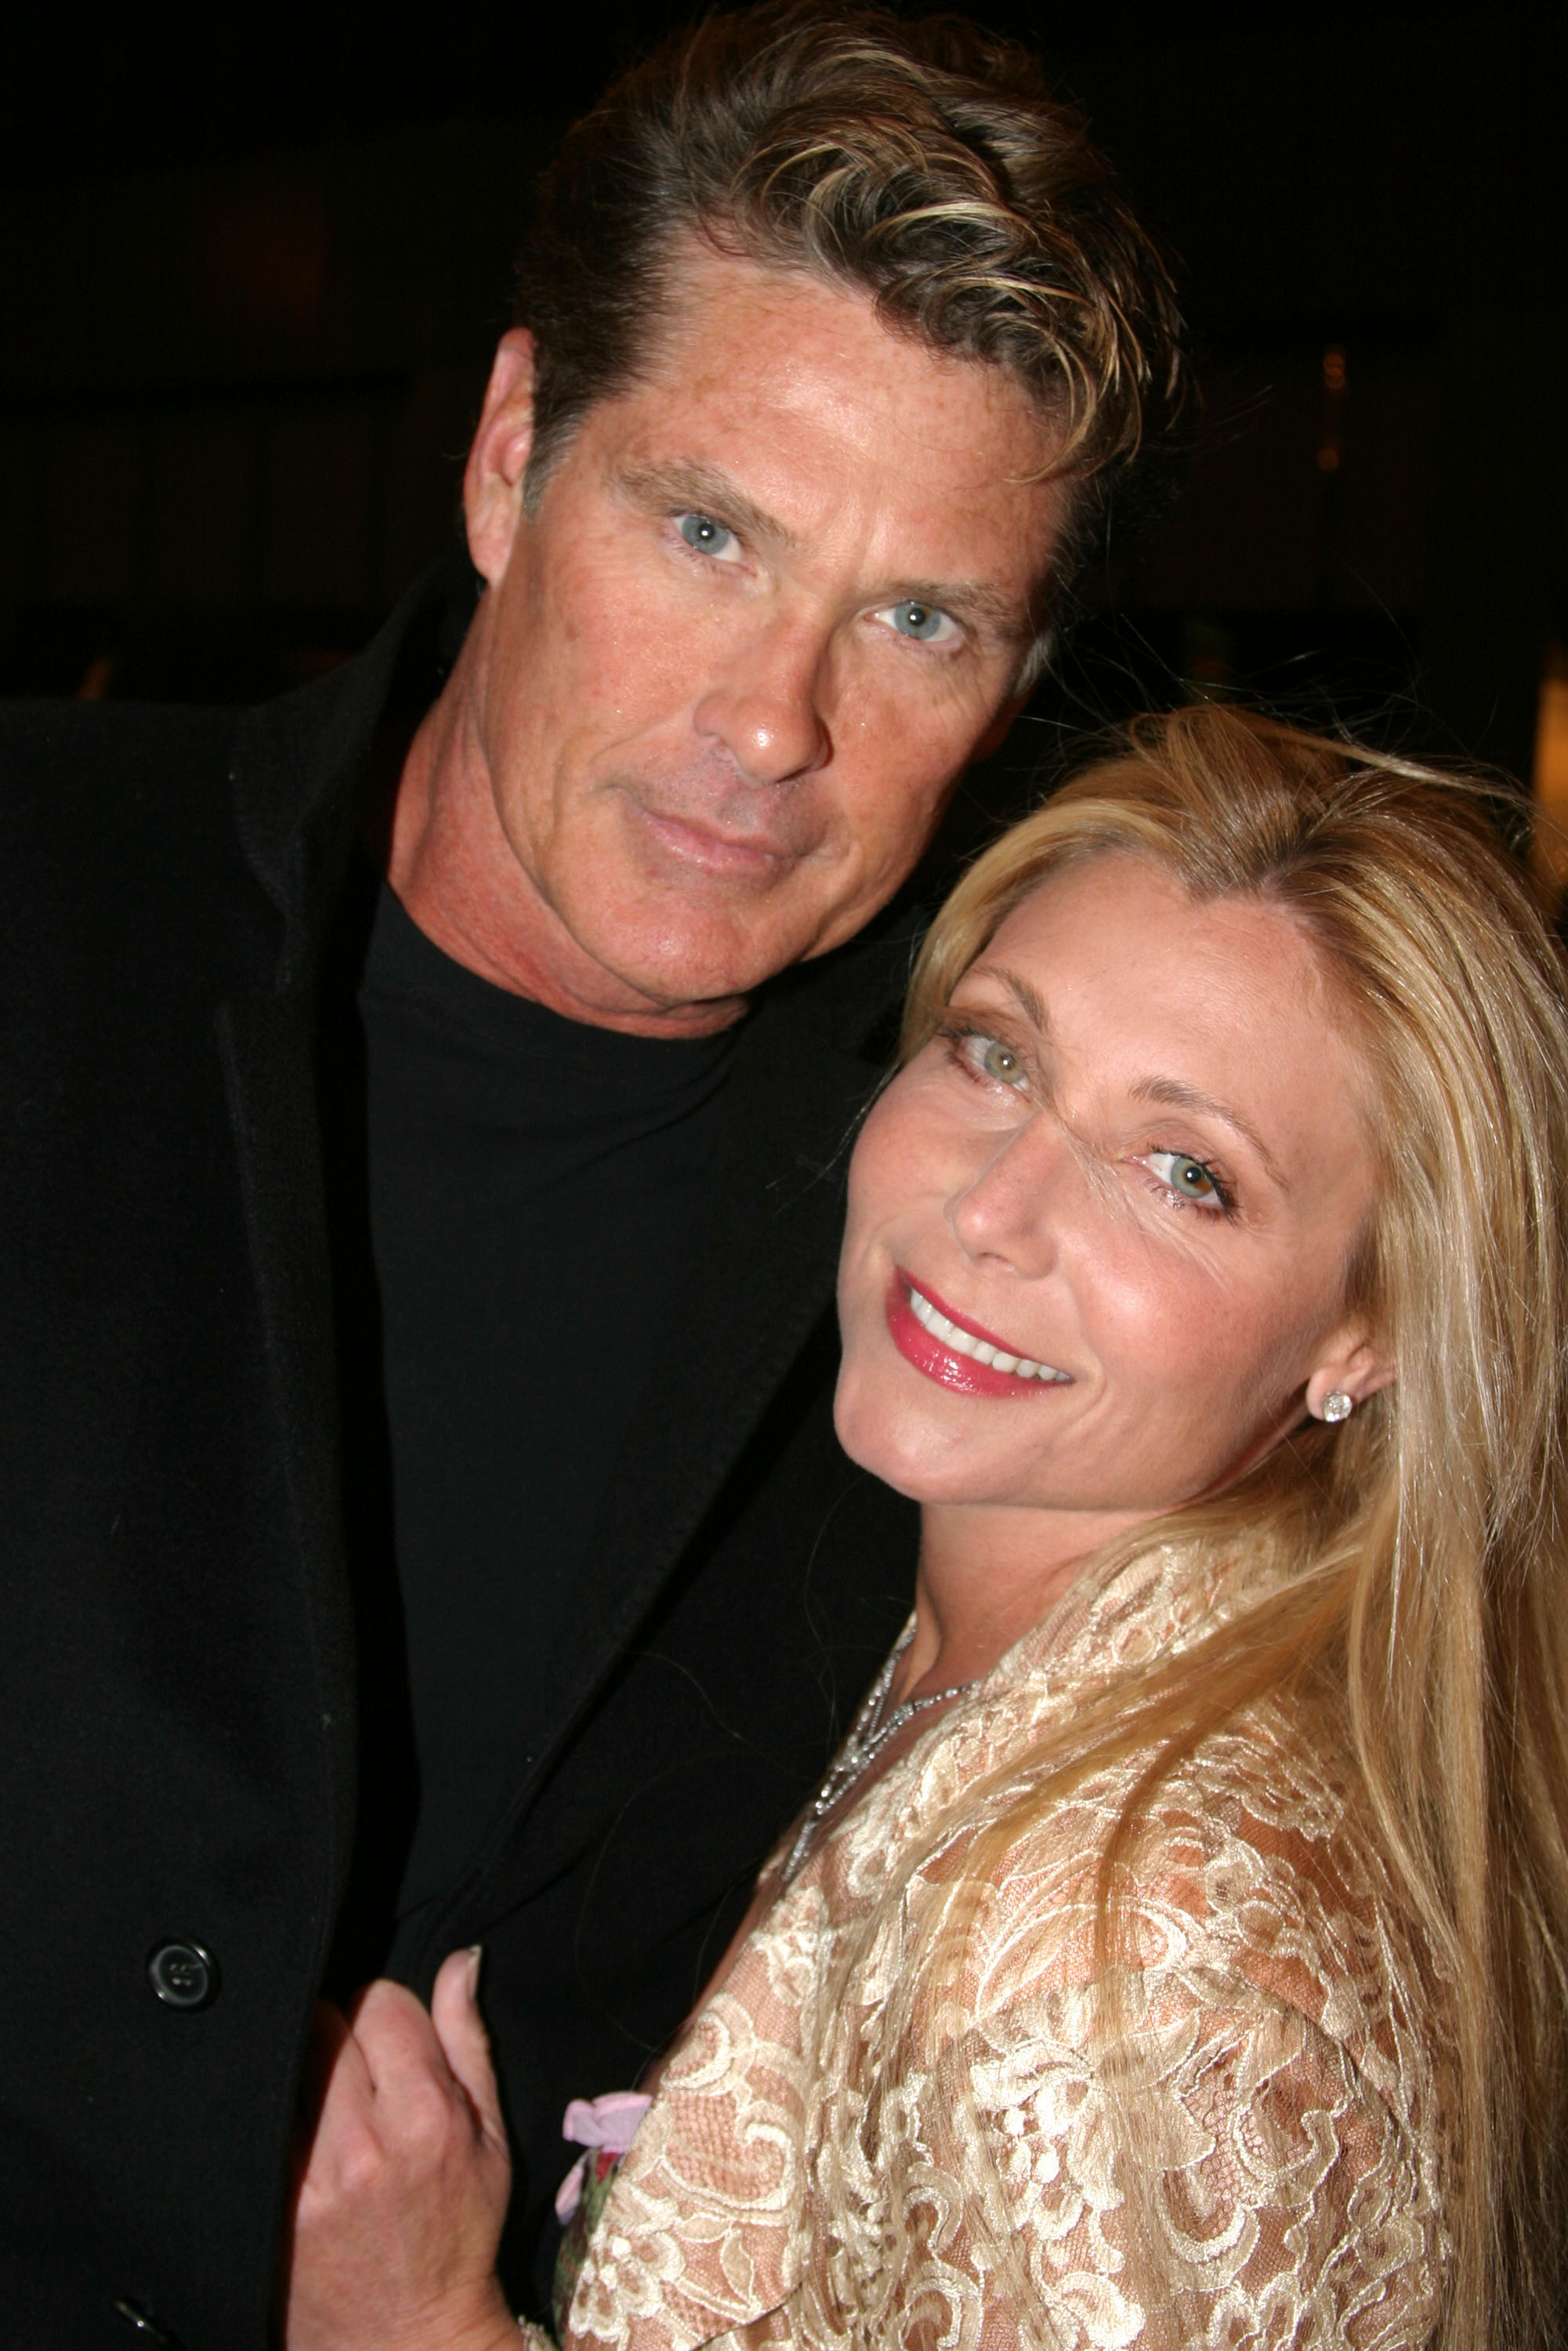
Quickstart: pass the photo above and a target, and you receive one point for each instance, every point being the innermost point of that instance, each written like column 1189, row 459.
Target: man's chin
column 673, row 974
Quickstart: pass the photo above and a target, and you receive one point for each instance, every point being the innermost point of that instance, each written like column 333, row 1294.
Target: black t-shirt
column 532, row 1185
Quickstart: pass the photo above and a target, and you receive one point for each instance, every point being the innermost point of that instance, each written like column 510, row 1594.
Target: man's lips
column 957, row 1353
column 745, row 855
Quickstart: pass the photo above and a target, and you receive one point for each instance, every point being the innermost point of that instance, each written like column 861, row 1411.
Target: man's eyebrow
column 1179, row 1095
column 1030, row 1001
column 983, row 608
column 688, row 483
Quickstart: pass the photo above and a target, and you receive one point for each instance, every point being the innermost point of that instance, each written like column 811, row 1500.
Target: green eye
column 984, row 1059
column 1186, row 1178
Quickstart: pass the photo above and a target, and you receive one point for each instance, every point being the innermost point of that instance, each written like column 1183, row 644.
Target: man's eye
column 926, row 623
column 708, row 537
column 1187, row 1179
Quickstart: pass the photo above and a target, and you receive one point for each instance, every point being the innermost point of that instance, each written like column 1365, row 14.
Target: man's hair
column 923, row 165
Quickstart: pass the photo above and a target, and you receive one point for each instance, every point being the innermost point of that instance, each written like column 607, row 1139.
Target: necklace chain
column 865, row 1742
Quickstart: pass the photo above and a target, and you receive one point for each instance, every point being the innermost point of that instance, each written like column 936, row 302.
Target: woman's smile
column 960, row 1353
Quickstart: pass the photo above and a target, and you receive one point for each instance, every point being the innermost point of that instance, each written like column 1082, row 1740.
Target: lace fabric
column 1253, row 2158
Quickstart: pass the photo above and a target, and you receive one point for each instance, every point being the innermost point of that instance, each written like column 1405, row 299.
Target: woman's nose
column 766, row 706
column 1012, row 1206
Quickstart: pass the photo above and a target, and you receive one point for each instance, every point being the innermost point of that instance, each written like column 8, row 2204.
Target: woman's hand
column 402, row 2189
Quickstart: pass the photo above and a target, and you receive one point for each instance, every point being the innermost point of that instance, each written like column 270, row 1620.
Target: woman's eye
column 988, row 1057
column 708, row 537
column 925, row 622
column 1186, row 1178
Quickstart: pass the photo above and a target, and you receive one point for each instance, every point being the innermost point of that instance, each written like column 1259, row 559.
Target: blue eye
column 708, row 537
column 1186, row 1178
column 928, row 623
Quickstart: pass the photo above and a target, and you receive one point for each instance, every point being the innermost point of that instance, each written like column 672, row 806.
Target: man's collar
column 299, row 761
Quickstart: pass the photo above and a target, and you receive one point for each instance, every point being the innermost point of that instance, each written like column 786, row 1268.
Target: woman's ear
column 498, row 456
column 1355, row 1369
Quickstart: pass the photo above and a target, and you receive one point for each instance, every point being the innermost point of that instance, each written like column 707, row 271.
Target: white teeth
column 1022, row 1367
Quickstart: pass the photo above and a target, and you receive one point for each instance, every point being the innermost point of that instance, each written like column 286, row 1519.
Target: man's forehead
column 769, row 389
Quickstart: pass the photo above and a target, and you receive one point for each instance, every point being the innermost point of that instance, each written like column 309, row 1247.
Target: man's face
column 768, row 605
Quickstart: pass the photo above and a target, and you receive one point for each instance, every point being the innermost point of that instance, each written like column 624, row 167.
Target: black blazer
column 176, row 1664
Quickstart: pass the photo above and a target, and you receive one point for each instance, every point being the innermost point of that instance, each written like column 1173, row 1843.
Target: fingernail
column 475, row 1956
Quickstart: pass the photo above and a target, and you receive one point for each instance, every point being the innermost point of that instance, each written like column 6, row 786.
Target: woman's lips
column 958, row 1354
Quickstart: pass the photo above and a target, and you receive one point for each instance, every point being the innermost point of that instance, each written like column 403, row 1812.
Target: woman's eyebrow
column 1179, row 1095
column 1030, row 1000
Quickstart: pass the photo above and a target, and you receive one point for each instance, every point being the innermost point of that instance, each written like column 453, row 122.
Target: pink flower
column 609, row 2122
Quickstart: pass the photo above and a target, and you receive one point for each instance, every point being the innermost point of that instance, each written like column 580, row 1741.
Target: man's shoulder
column 120, row 868
column 61, row 748
column 91, row 764
column 120, row 791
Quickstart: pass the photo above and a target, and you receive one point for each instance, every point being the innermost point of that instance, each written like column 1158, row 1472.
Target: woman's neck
column 987, row 1574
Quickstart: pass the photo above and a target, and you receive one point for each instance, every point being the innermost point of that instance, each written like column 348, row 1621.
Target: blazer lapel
column 266, row 1048
column 295, row 777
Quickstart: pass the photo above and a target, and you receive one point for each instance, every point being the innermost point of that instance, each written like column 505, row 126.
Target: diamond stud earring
column 1337, row 1406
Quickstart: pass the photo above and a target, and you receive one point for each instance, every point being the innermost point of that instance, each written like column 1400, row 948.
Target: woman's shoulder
column 1243, row 2032
column 1251, row 1871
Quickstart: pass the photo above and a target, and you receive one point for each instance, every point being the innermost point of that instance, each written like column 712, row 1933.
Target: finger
column 399, row 2043
column 454, row 2013
column 341, row 2122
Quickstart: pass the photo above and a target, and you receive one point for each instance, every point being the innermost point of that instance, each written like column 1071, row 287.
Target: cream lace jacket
column 809, row 2174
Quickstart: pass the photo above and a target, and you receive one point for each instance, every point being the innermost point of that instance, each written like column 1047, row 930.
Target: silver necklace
column 865, row 1742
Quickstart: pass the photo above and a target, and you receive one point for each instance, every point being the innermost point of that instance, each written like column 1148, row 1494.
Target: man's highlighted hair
column 921, row 163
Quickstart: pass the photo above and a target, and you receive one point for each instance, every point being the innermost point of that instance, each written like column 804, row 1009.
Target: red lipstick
column 946, row 1364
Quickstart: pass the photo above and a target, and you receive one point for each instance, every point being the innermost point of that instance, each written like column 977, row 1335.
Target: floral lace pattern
column 1275, row 2042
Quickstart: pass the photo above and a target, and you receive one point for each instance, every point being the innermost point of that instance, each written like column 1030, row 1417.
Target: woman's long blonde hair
column 1420, row 1552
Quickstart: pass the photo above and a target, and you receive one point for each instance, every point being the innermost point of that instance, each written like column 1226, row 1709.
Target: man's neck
column 450, row 865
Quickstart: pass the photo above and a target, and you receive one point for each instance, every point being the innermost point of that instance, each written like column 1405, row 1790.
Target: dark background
column 252, row 261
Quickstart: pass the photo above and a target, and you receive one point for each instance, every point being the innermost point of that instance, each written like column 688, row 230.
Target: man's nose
column 766, row 707
column 1012, row 1206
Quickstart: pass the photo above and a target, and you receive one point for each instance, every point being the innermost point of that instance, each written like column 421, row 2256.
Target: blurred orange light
column 1551, row 776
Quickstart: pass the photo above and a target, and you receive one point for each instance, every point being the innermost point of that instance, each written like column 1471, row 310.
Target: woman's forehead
column 1100, row 914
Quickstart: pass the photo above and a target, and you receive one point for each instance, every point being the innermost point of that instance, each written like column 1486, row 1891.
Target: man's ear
column 1001, row 727
column 1353, row 1367
column 498, row 459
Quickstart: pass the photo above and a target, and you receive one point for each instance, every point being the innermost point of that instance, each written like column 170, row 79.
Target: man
column 424, row 1103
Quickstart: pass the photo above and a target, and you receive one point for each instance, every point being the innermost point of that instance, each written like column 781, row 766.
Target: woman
column 1175, row 1953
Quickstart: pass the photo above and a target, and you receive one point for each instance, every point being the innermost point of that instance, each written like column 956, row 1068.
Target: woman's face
column 1134, row 1166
